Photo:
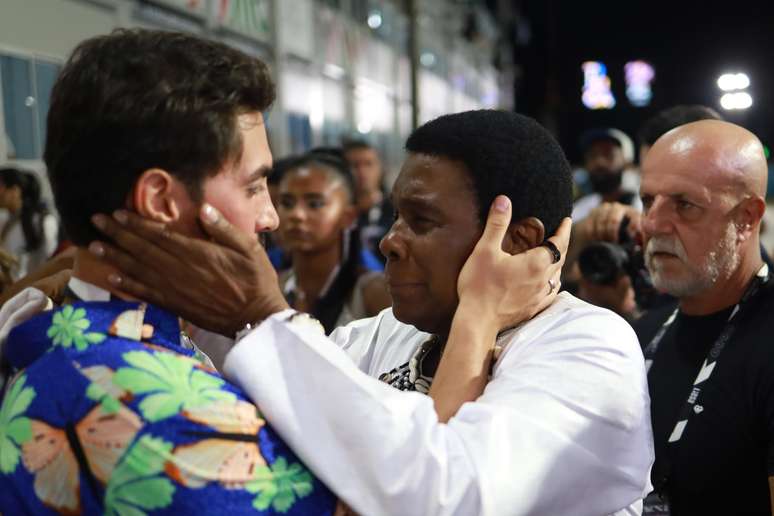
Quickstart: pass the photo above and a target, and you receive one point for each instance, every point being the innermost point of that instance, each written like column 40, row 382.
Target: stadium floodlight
column 733, row 81
column 736, row 100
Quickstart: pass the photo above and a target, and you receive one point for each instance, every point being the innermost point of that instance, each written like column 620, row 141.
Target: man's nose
column 657, row 220
column 267, row 220
column 393, row 246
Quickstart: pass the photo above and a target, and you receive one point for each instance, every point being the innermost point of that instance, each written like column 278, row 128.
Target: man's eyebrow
column 685, row 196
column 420, row 202
column 259, row 173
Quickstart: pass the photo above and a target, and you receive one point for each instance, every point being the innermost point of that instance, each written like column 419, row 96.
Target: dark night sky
column 689, row 43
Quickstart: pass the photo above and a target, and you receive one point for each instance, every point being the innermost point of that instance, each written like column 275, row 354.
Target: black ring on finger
column 556, row 255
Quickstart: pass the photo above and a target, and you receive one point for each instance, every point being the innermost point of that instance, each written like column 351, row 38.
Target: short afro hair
column 666, row 120
column 505, row 153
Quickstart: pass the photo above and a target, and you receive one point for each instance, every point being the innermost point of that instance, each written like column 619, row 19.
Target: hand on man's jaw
column 156, row 196
column 220, row 284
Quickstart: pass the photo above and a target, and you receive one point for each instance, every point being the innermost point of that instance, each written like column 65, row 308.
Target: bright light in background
column 596, row 86
column 316, row 106
column 733, row 81
column 427, row 59
column 737, row 100
column 374, row 19
column 735, row 84
column 374, row 111
column 639, row 75
column 333, row 71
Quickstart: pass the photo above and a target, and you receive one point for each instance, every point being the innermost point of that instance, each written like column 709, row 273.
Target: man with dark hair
column 606, row 153
column 664, row 121
column 560, row 427
column 109, row 408
column 375, row 210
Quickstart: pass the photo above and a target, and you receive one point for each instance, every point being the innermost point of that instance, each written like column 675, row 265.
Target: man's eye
column 316, row 204
column 422, row 223
column 286, row 203
column 253, row 189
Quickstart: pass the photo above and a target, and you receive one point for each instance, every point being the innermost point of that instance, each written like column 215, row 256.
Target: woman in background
column 317, row 213
column 31, row 231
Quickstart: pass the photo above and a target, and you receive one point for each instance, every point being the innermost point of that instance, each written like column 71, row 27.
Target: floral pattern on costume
column 169, row 382
column 278, row 486
column 68, row 326
column 15, row 429
column 138, row 483
column 136, row 425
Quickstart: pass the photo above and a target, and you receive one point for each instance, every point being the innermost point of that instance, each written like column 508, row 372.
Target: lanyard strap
column 650, row 350
column 691, row 405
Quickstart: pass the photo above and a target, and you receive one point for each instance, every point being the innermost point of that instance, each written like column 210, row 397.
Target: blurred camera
column 603, row 263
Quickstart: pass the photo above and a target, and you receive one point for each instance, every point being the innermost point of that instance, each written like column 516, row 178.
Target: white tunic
column 562, row 428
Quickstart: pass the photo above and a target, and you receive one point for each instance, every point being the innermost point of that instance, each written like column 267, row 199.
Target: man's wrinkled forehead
column 426, row 174
column 691, row 161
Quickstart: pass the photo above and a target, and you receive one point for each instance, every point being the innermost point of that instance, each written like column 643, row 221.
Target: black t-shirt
column 722, row 462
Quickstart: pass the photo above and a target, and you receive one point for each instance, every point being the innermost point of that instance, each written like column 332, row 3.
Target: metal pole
column 411, row 9
column 278, row 120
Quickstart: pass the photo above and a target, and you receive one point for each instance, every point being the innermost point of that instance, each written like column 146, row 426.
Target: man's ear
column 156, row 196
column 524, row 235
column 748, row 217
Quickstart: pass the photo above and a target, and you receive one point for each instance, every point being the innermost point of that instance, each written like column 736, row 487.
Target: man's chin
column 417, row 318
column 677, row 287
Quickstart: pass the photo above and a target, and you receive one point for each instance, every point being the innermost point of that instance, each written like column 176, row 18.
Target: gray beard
column 718, row 264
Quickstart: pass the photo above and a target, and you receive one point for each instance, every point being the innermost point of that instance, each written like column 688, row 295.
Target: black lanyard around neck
column 691, row 405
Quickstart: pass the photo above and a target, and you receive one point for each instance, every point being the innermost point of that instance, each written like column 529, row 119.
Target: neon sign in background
column 639, row 75
column 596, row 86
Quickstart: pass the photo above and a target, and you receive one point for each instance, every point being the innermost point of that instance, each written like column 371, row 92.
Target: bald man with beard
column 710, row 357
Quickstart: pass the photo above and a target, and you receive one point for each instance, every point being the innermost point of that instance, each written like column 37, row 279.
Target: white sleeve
column 527, row 446
column 50, row 235
column 379, row 449
column 357, row 339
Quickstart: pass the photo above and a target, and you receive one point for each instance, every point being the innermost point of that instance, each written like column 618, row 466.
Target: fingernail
column 502, row 203
column 115, row 279
column 121, row 216
column 97, row 249
column 209, row 213
column 99, row 221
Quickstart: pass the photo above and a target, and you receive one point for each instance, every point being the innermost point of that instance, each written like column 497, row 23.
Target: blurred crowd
column 334, row 209
column 187, row 331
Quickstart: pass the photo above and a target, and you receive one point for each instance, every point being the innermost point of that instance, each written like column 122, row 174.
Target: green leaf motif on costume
column 279, row 486
column 109, row 404
column 138, row 483
column 15, row 429
column 68, row 326
column 170, row 383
